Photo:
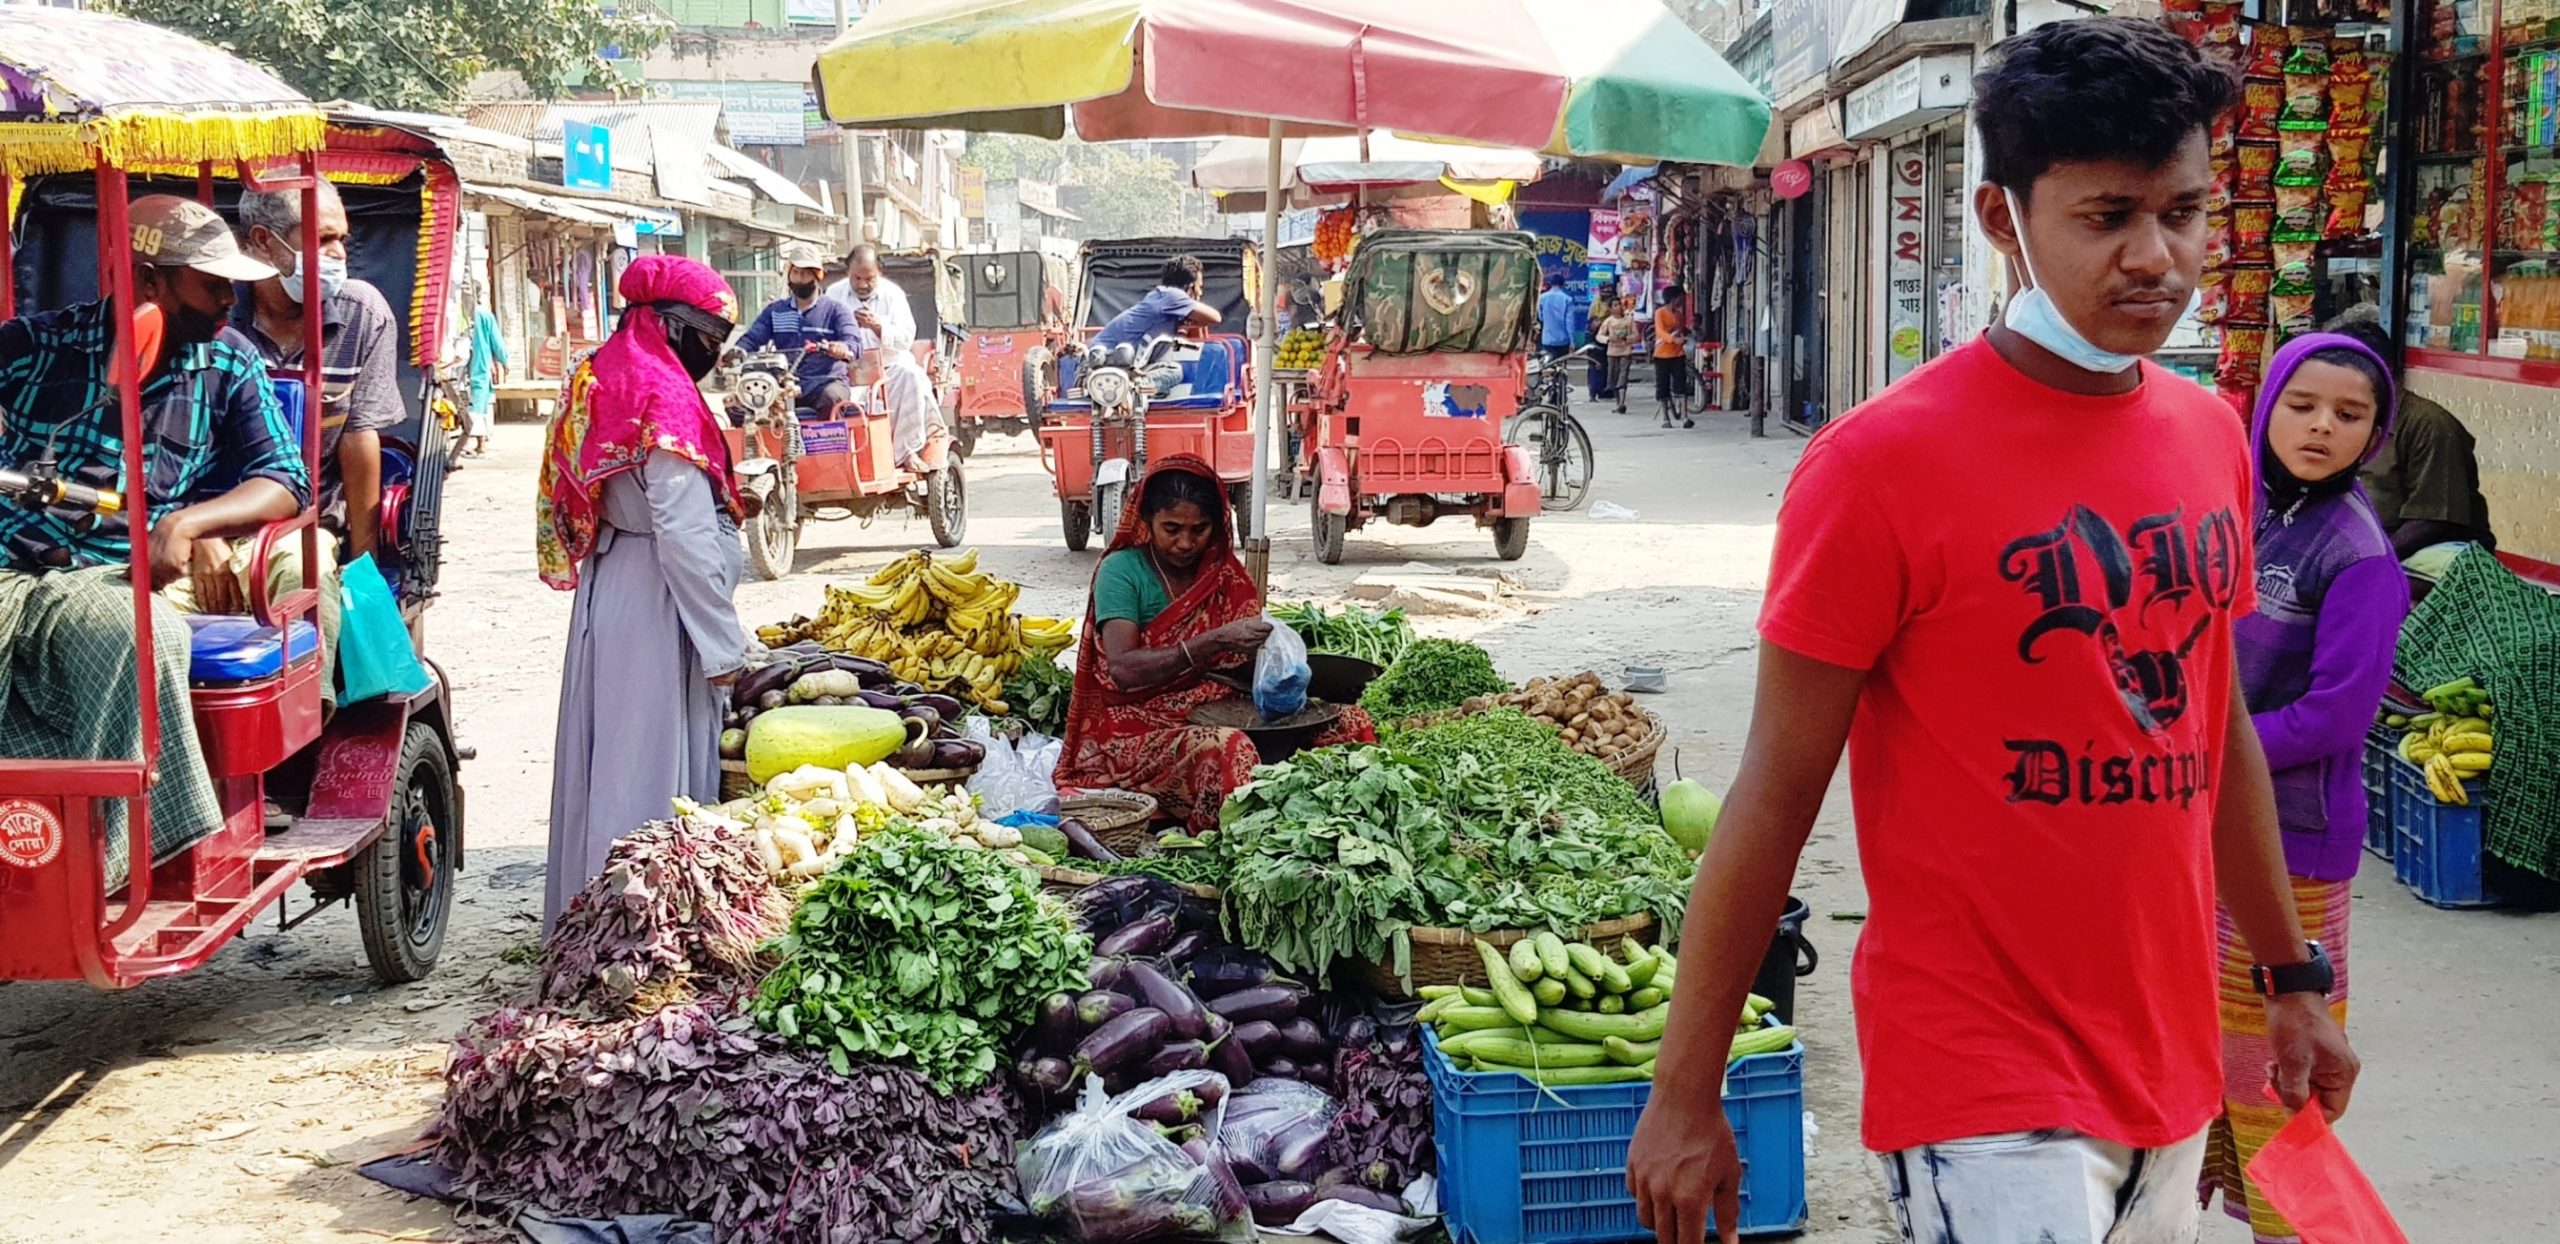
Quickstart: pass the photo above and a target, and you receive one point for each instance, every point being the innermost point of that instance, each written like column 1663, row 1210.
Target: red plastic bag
column 2307, row 1176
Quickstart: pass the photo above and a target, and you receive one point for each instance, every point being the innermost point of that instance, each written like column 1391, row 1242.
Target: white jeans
column 2049, row 1187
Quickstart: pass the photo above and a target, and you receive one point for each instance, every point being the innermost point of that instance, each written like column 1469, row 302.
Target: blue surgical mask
column 333, row 275
column 2032, row 314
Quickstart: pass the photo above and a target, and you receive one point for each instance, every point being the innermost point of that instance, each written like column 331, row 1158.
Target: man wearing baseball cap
column 816, row 329
column 222, row 460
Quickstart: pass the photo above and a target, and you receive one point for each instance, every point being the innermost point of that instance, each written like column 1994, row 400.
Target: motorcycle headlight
column 1110, row 388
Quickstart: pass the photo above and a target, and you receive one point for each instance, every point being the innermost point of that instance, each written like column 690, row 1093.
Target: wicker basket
column 1119, row 819
column 1636, row 763
column 1449, row 956
column 735, row 784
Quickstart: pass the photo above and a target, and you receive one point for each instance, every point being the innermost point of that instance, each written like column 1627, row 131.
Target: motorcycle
column 1120, row 382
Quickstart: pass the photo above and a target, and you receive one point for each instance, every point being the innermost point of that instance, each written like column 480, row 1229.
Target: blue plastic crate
column 2380, row 753
column 2437, row 847
column 1520, row 1167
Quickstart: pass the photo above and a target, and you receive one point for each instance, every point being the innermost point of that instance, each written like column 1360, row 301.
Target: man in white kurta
column 880, row 307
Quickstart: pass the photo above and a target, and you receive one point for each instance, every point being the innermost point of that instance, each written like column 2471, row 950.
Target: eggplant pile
column 1137, row 1166
column 804, row 673
column 1137, row 1020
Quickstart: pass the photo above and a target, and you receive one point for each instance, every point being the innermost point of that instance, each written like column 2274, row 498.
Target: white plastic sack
column 1108, row 1178
column 1014, row 777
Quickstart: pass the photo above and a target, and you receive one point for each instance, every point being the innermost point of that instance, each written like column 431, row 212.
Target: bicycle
column 1560, row 448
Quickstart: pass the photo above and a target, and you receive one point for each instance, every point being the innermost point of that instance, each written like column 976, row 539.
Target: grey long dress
column 652, row 624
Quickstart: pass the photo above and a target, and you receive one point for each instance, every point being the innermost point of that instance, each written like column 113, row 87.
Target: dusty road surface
column 233, row 1104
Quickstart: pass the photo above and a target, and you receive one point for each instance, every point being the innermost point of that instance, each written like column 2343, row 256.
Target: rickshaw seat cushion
column 232, row 649
column 289, row 396
column 1206, row 379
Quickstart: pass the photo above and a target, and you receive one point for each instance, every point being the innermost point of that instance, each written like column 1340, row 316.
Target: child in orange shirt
column 1671, row 354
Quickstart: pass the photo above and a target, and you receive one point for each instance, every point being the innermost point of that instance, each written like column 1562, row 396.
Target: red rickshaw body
column 256, row 681
column 1209, row 417
column 991, row 369
column 1404, row 420
column 841, row 460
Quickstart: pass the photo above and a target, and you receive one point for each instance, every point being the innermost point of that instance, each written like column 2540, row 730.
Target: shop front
column 2478, row 273
column 1914, row 116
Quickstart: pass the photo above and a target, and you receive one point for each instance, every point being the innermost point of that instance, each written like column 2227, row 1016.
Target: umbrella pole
column 1266, row 388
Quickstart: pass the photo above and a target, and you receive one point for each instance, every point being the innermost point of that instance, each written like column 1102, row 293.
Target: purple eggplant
column 1215, row 1027
column 1158, row 990
column 883, row 700
column 1248, row 1170
column 1276, row 1003
column 1223, row 970
column 1228, row 1058
column 1175, row 1056
column 1358, row 1195
column 1056, row 1030
column 1138, row 937
column 1106, row 973
column 871, row 673
column 1102, row 1006
column 1102, row 900
column 1210, row 1092
column 958, row 753
column 1277, row 1204
column 1187, row 947
column 1357, row 1033
column 752, row 686
column 1170, row 1110
column 1306, row 1041
column 1080, row 837
column 1280, row 1069
column 1299, row 1152
column 1048, row 1075
column 1116, row 1044
column 1260, row 1038
column 1317, row 1074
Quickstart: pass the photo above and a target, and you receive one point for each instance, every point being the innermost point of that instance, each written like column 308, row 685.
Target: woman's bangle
column 1189, row 661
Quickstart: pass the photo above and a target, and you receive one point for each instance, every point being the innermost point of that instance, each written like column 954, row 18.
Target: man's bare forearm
column 2248, row 852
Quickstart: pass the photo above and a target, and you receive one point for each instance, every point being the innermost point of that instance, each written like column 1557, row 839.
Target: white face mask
column 333, row 274
column 2033, row 315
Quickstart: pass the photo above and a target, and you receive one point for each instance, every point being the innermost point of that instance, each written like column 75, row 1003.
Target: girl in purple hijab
column 2314, row 661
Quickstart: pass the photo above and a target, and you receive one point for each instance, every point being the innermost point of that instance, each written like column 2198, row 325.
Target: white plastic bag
column 1014, row 777
column 1280, row 672
column 1109, row 1178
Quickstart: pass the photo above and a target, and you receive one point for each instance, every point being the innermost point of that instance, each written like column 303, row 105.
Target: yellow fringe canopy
column 76, row 86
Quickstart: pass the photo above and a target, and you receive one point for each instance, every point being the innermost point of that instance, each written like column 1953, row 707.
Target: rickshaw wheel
column 1510, row 538
column 1077, row 518
column 964, row 437
column 946, row 504
column 1331, row 531
column 404, row 881
column 1240, row 496
column 774, row 534
column 1035, row 386
column 1108, row 502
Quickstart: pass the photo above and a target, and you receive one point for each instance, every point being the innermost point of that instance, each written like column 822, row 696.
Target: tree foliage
column 417, row 54
column 1121, row 195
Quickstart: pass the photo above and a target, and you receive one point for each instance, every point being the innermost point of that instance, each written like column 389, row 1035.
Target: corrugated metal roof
column 771, row 184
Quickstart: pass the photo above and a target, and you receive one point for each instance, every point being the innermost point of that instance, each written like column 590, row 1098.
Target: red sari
column 1142, row 739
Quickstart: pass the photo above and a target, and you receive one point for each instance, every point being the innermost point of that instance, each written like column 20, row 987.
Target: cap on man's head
column 803, row 255
column 174, row 232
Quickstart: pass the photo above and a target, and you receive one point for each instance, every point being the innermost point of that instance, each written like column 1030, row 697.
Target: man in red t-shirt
column 2007, row 584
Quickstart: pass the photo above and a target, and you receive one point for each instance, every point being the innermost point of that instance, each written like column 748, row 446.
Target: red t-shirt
column 2041, row 586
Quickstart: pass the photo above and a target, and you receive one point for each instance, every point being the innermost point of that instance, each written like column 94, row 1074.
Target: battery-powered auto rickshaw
column 931, row 283
column 795, row 468
column 1403, row 422
column 1016, row 317
column 1198, row 391
column 365, row 806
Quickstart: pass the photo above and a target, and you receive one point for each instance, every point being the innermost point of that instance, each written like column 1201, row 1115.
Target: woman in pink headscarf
column 639, row 515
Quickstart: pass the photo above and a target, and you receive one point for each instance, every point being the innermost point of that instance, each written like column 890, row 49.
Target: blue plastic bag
column 375, row 658
column 1280, row 673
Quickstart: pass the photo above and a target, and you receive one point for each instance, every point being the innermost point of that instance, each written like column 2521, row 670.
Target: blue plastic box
column 2381, row 751
column 2437, row 848
column 1520, row 1167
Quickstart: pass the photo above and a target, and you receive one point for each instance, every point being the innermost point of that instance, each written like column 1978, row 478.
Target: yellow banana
column 2466, row 763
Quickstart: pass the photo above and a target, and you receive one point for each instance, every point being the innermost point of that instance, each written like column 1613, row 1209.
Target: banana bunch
column 2452, row 743
column 942, row 624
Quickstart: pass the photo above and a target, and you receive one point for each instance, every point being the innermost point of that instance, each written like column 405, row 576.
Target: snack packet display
column 2249, row 289
column 2301, row 215
column 2302, row 158
column 2261, row 101
column 2252, row 228
column 2268, row 47
column 2256, row 171
column 2294, row 272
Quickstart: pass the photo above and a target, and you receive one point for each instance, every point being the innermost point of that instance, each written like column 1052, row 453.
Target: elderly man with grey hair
column 360, row 352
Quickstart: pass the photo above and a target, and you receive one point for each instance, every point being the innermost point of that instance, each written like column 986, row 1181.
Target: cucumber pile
column 1567, row 1013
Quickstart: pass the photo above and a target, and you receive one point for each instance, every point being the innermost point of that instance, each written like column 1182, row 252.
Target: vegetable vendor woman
column 1171, row 605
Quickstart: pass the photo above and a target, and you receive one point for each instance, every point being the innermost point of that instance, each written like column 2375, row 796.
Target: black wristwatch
column 2312, row 975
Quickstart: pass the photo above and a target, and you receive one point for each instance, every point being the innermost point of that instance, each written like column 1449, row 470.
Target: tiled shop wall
column 2517, row 428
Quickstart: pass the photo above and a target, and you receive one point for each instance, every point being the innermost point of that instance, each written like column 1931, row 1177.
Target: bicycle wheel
column 1695, row 403
column 1560, row 454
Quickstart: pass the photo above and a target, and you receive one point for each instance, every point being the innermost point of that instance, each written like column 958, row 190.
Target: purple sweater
column 2316, row 656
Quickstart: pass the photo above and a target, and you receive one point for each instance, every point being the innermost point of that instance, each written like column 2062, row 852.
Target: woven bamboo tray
column 1449, row 956
column 1121, row 820
column 735, row 784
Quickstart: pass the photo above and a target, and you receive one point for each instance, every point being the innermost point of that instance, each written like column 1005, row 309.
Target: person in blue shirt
column 1167, row 309
column 1555, row 318
column 820, row 330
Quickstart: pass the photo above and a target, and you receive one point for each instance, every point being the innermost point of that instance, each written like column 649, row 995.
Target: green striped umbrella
column 1646, row 87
